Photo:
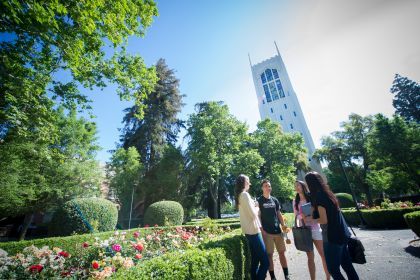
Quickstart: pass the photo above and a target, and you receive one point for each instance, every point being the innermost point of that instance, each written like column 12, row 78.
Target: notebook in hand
column 307, row 209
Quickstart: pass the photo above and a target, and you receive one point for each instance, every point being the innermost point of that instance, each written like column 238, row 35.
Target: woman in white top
column 251, row 227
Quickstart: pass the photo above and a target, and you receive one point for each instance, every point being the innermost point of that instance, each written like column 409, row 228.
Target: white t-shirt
column 248, row 214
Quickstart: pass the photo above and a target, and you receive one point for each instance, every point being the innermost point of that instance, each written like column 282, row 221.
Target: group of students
column 264, row 227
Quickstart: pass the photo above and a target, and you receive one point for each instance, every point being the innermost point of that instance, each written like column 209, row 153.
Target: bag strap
column 341, row 213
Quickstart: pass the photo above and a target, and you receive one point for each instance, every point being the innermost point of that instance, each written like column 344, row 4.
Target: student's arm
column 322, row 216
column 279, row 215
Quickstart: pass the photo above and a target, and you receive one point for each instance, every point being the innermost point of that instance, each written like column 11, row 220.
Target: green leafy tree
column 352, row 139
column 216, row 138
column 124, row 173
column 393, row 144
column 37, row 175
column 281, row 152
column 406, row 98
column 44, row 38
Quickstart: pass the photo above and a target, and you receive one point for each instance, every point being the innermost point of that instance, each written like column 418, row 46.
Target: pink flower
column 156, row 225
column 36, row 268
column 149, row 237
column 146, row 226
column 116, row 247
column 136, row 234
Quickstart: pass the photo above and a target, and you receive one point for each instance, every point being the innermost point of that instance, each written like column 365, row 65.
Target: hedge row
column 413, row 221
column 192, row 264
column 380, row 218
column 236, row 249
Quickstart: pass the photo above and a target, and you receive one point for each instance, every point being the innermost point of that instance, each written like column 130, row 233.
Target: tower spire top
column 249, row 57
column 277, row 48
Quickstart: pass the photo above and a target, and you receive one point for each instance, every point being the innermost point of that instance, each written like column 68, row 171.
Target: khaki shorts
column 274, row 239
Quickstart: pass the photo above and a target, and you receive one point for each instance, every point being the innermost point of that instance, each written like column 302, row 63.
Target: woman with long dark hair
column 251, row 227
column 335, row 233
column 302, row 197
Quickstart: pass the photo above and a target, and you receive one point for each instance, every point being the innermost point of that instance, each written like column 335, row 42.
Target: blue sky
column 340, row 57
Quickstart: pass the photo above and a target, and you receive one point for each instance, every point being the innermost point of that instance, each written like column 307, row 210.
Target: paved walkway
column 388, row 254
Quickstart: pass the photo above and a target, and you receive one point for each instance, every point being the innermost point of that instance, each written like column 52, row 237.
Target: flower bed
column 100, row 256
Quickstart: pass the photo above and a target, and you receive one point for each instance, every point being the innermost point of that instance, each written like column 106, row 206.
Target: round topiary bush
column 164, row 213
column 413, row 221
column 345, row 200
column 77, row 215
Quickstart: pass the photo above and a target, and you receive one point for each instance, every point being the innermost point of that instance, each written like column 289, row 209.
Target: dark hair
column 265, row 181
column 239, row 187
column 305, row 190
column 317, row 184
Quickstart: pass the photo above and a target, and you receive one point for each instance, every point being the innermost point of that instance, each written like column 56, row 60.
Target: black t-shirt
column 269, row 219
column 337, row 230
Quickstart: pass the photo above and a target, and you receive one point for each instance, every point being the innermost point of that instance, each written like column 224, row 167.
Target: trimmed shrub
column 351, row 217
column 236, row 250
column 71, row 218
column 191, row 264
column 413, row 221
column 164, row 213
column 345, row 200
column 386, row 218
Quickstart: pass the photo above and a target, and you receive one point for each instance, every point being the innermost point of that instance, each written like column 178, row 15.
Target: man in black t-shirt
column 271, row 222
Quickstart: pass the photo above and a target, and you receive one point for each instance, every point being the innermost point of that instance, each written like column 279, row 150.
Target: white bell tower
column 278, row 101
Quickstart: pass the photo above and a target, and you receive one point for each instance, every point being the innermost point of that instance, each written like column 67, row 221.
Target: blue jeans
column 259, row 257
column 337, row 255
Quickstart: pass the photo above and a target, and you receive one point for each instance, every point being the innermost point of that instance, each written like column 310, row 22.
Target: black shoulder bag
column 356, row 248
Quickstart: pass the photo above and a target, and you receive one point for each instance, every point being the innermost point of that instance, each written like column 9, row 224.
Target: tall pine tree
column 158, row 129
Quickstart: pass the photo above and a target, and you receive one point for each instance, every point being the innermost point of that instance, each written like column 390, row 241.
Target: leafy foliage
column 217, row 143
column 37, row 175
column 394, row 148
column 282, row 153
column 352, row 139
column 406, row 98
column 124, row 171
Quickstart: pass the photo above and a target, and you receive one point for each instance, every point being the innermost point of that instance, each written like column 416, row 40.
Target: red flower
column 95, row 265
column 64, row 254
column 136, row 234
column 65, row 273
column 146, row 226
column 36, row 268
column 139, row 247
column 138, row 256
column 85, row 244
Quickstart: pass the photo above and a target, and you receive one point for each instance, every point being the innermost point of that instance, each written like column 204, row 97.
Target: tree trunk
column 212, row 201
column 26, row 223
column 366, row 188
